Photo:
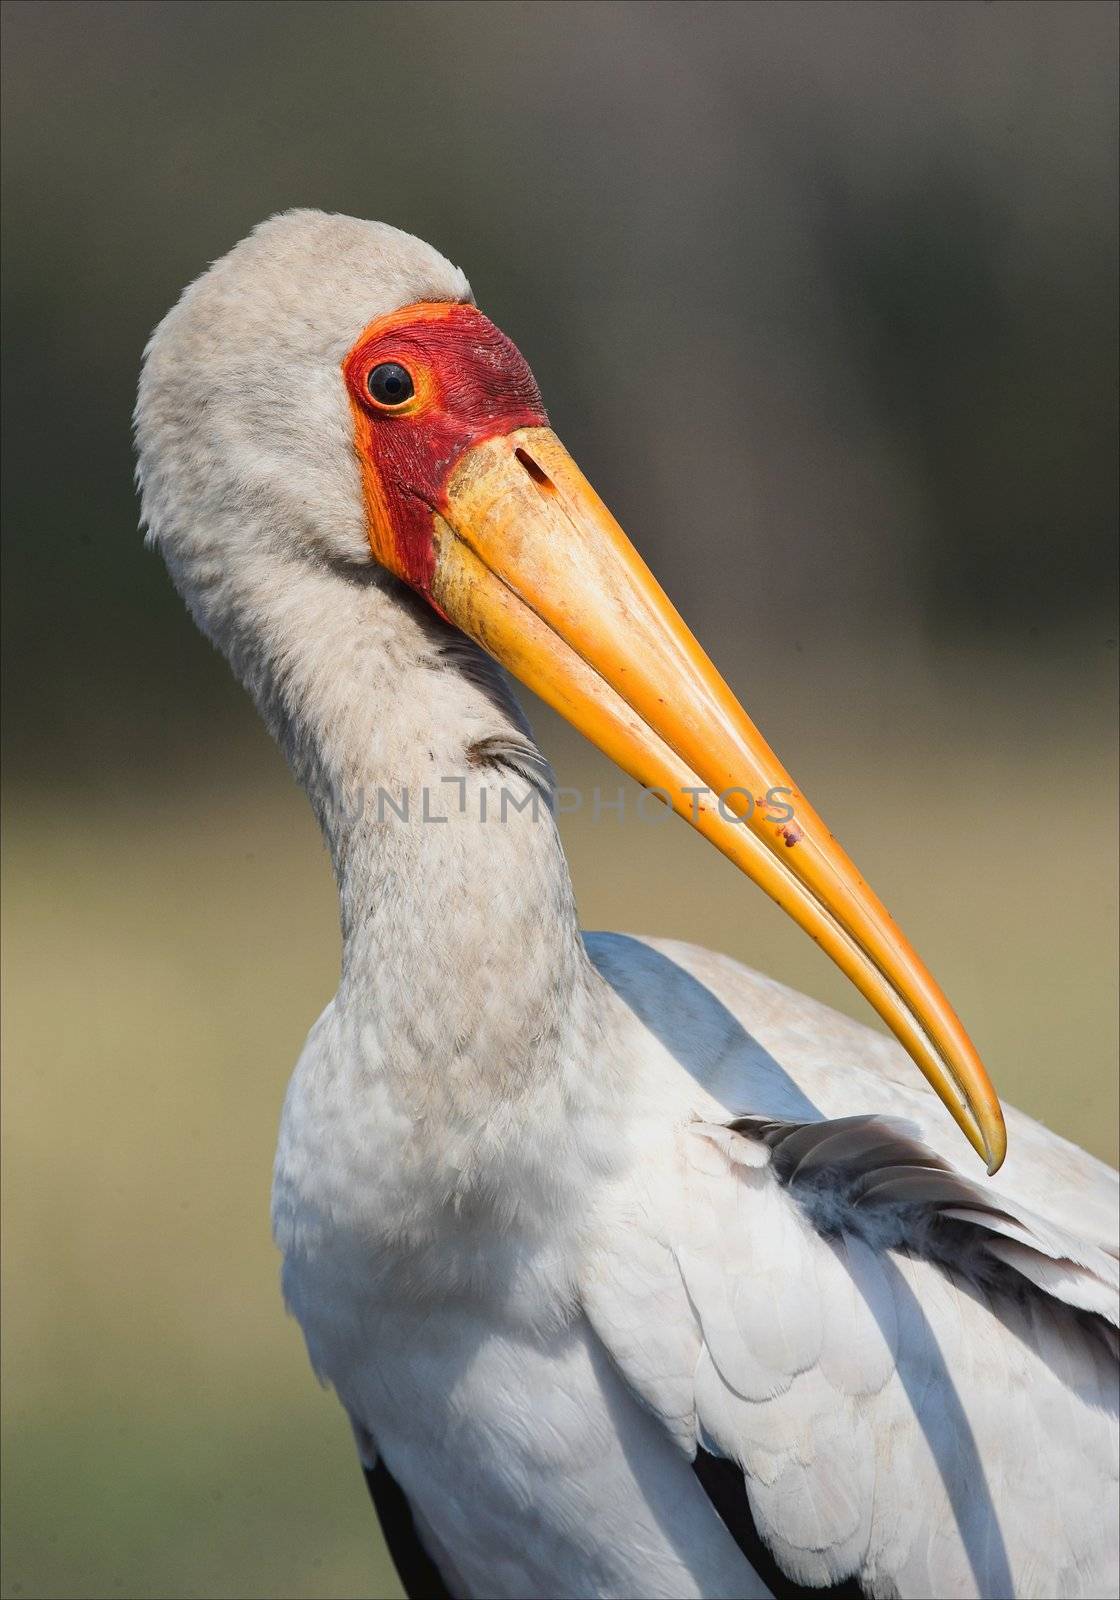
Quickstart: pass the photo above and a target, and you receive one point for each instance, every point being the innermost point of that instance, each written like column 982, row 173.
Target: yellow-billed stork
column 636, row 1273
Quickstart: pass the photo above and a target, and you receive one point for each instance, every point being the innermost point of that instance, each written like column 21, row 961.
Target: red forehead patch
column 469, row 383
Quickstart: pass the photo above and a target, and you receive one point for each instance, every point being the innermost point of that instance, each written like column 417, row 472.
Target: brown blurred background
column 823, row 297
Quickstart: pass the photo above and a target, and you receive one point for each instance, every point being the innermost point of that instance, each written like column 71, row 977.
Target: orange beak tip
column 531, row 564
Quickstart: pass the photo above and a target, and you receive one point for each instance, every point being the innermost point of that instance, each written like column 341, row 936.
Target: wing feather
column 908, row 1368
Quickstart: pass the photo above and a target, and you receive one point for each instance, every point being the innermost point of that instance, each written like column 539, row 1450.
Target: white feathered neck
column 462, row 956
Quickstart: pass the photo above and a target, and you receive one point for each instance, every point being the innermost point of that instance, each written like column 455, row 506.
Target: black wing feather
column 721, row 1480
column 419, row 1575
column 725, row 1486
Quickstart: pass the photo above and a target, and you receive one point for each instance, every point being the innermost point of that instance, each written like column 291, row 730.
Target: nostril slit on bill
column 539, row 476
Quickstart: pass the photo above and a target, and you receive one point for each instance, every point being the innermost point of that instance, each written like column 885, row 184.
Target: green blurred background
column 823, row 298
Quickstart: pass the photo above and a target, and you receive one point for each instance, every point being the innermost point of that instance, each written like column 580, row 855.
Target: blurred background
column 823, row 298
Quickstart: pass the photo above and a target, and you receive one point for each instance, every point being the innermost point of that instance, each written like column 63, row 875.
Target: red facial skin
column 471, row 383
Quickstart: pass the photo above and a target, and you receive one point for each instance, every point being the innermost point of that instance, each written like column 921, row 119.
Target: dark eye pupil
column 390, row 384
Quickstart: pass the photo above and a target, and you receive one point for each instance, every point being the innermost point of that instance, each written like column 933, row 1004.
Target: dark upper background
column 824, row 295
column 823, row 298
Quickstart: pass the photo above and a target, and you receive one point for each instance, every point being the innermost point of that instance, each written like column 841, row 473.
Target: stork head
column 329, row 393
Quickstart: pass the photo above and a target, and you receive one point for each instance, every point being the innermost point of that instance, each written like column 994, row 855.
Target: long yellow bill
column 532, row 565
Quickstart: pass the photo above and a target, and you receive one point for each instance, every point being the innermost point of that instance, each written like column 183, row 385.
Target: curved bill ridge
column 532, row 565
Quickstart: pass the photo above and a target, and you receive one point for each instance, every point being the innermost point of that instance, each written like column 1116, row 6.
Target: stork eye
column 390, row 384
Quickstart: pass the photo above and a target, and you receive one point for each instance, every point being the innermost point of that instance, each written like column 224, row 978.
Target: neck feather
column 463, row 966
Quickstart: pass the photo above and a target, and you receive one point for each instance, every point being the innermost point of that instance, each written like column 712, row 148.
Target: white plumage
column 555, row 1211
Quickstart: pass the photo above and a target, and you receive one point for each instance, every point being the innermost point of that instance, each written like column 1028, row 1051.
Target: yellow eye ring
column 389, row 385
